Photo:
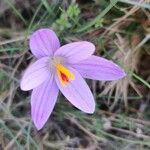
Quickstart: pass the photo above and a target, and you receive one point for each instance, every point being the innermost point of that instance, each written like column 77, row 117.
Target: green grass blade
column 143, row 5
column 100, row 16
column 8, row 131
column 141, row 80
column 34, row 16
column 16, row 11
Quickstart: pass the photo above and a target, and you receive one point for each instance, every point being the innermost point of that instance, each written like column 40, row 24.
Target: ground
column 120, row 29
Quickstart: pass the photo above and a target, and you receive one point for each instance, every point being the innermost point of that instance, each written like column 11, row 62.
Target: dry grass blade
column 121, row 20
column 120, row 31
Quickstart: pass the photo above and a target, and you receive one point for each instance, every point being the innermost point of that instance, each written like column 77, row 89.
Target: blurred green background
column 120, row 29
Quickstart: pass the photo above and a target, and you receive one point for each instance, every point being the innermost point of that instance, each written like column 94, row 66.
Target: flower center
column 63, row 73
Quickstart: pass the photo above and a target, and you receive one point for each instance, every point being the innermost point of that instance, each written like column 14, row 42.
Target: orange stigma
column 64, row 75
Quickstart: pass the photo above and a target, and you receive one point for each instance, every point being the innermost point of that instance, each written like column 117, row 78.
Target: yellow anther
column 64, row 74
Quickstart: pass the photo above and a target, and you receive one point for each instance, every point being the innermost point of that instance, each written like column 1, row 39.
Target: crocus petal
column 44, row 42
column 35, row 74
column 78, row 93
column 43, row 100
column 76, row 51
column 99, row 68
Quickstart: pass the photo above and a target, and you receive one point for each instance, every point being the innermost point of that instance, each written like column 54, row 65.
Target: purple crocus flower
column 63, row 68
